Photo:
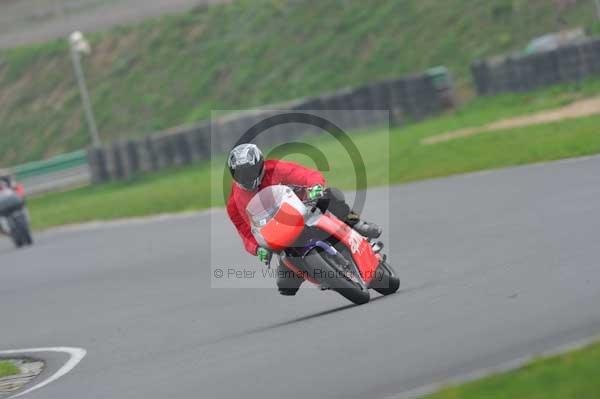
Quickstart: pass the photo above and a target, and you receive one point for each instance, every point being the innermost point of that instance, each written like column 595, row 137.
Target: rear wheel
column 335, row 277
column 385, row 281
column 26, row 230
column 27, row 238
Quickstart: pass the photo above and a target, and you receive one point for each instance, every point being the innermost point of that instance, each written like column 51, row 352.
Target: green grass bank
column 176, row 69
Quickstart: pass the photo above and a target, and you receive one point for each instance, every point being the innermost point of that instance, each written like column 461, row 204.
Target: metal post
column 85, row 98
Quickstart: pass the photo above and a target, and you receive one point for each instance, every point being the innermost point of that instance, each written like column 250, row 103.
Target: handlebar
column 304, row 197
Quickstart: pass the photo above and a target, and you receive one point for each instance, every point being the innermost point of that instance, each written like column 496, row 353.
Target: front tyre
column 19, row 229
column 15, row 232
column 385, row 281
column 331, row 276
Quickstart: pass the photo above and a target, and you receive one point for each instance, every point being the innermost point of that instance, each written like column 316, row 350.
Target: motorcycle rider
column 7, row 180
column 251, row 173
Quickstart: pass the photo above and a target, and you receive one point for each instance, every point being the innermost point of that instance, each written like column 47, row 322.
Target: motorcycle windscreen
column 277, row 217
column 284, row 228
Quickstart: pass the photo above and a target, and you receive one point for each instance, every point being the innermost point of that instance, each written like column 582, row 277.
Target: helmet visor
column 248, row 176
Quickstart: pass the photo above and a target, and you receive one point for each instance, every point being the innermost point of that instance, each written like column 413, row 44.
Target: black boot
column 366, row 229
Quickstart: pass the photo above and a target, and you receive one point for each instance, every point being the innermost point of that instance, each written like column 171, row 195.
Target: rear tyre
column 26, row 231
column 27, row 238
column 385, row 281
column 330, row 277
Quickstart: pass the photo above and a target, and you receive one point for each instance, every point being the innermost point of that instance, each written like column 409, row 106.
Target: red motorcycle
column 317, row 246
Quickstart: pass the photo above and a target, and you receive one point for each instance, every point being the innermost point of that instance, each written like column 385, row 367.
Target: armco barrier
column 522, row 72
column 412, row 97
column 61, row 172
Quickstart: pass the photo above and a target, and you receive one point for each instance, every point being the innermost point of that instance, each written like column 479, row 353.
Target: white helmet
column 247, row 166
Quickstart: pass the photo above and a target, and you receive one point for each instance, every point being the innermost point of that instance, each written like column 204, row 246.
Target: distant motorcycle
column 319, row 247
column 14, row 218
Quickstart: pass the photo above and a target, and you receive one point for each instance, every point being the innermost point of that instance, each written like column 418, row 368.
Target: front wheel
column 385, row 281
column 333, row 277
column 19, row 230
column 15, row 232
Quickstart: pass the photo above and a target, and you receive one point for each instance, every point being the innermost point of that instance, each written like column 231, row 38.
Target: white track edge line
column 76, row 355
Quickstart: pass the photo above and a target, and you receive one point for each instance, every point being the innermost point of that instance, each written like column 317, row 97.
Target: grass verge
column 8, row 369
column 409, row 160
column 571, row 375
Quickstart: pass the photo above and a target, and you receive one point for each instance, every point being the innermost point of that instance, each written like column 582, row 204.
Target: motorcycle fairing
column 359, row 247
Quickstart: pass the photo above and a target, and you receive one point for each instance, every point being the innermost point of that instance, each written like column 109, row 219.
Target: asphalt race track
column 495, row 266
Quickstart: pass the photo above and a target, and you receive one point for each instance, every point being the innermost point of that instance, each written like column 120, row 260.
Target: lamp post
column 78, row 46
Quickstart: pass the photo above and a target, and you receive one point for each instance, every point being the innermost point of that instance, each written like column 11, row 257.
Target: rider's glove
column 264, row 255
column 315, row 192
